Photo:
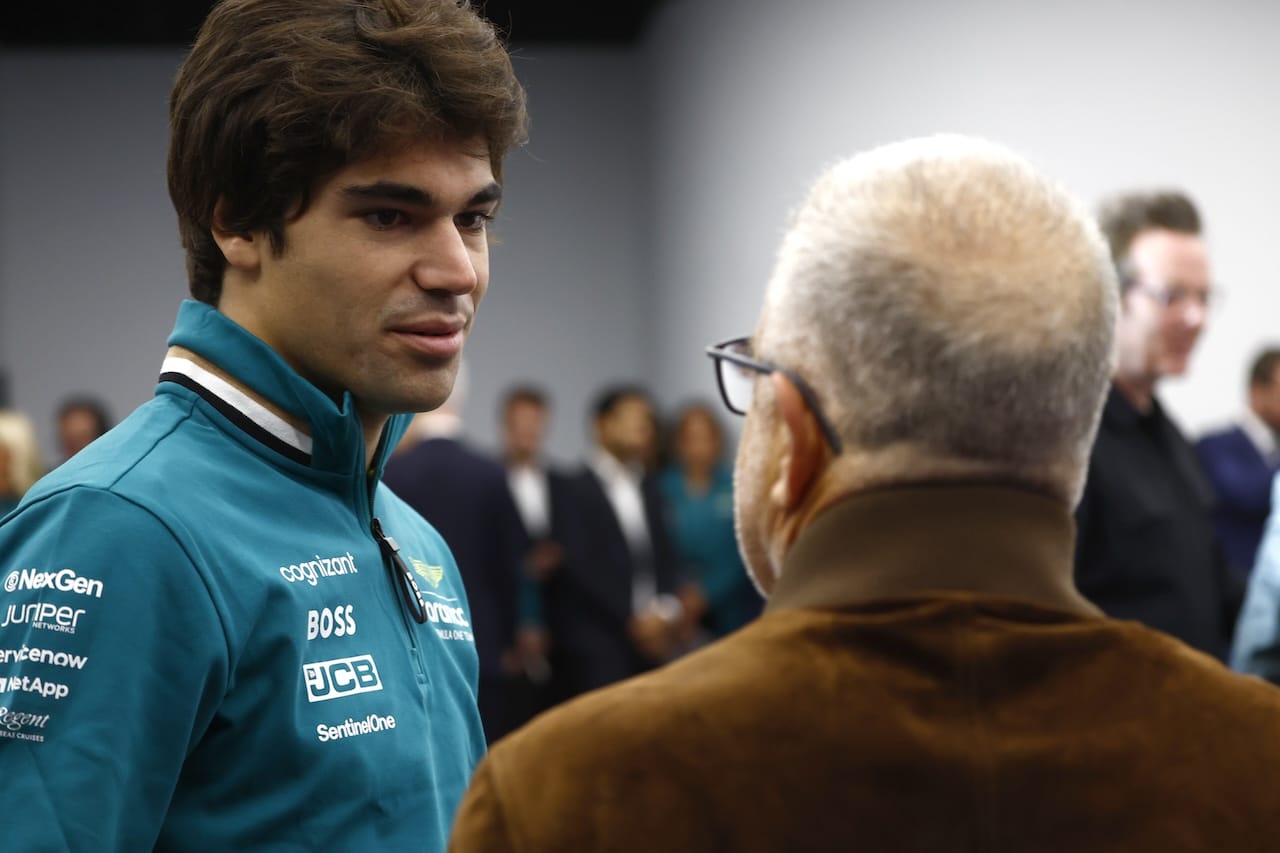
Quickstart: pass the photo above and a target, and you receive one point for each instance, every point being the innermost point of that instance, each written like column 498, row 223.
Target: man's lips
column 439, row 337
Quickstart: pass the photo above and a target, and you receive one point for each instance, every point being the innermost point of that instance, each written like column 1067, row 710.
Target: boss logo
column 326, row 623
column 333, row 679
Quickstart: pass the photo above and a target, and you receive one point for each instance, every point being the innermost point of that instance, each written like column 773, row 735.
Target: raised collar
column 1119, row 413
column 256, row 383
column 910, row 541
column 610, row 469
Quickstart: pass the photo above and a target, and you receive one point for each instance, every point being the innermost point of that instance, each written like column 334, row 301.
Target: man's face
column 1265, row 401
column 380, row 278
column 76, row 430
column 1164, row 311
column 627, row 431
column 526, row 424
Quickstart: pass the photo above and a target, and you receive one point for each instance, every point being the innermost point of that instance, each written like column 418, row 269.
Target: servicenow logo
column 26, row 653
column 311, row 571
column 64, row 580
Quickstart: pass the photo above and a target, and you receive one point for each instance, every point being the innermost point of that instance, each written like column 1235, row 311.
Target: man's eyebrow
column 406, row 193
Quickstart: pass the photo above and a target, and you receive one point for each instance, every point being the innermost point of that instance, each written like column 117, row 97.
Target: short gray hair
column 946, row 296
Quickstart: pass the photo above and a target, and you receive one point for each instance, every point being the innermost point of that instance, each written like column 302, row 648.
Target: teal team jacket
column 203, row 645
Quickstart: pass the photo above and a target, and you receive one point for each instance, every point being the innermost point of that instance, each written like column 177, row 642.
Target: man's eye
column 385, row 218
column 477, row 221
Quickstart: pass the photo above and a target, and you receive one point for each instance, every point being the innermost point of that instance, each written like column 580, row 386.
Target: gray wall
column 91, row 271
column 642, row 217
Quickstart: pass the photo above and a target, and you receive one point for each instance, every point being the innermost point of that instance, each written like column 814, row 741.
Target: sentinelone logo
column 334, row 679
column 355, row 728
column 64, row 580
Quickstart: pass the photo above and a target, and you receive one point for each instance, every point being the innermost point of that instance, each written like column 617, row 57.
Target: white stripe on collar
column 241, row 402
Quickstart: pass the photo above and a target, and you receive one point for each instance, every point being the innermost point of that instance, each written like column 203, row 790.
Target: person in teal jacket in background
column 697, row 488
column 218, row 629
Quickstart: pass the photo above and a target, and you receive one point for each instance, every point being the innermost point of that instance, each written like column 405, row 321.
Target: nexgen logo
column 64, row 580
column 333, row 679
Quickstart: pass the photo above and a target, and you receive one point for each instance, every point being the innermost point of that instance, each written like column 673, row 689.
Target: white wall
column 757, row 97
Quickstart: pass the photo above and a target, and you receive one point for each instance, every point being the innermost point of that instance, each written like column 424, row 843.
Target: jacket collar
column 261, row 395
column 905, row 542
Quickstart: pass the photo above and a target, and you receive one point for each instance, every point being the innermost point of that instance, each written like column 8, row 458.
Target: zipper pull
column 401, row 577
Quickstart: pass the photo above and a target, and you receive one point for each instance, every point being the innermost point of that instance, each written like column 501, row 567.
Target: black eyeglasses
column 736, row 373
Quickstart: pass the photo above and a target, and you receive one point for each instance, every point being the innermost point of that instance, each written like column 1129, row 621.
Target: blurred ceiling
column 125, row 23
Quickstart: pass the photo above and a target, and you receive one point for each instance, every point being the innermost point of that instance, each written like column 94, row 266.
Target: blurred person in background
column 1146, row 547
column 26, row 465
column 613, row 608
column 81, row 420
column 697, row 488
column 1242, row 460
column 9, row 494
column 921, row 392
column 544, row 498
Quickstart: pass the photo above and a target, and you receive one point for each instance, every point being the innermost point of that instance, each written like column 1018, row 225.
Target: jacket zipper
column 398, row 573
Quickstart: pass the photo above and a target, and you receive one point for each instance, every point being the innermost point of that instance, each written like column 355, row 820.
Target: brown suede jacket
column 925, row 678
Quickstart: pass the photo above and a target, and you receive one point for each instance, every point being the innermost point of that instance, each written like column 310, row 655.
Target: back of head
column 1124, row 216
column 277, row 95
column 955, row 309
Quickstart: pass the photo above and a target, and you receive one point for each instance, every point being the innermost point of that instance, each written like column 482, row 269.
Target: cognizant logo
column 311, row 571
column 63, row 580
column 334, row 679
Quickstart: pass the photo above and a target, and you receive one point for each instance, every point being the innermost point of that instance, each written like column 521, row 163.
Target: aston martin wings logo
column 431, row 574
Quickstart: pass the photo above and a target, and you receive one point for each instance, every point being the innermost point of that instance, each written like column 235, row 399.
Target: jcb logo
column 333, row 679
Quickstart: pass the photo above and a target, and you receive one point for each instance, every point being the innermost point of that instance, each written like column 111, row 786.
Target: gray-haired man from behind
column 921, row 393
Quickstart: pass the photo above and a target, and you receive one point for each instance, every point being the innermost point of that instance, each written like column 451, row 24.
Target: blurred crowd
column 580, row 576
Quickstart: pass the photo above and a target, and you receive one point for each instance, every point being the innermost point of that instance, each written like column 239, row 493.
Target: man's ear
column 803, row 448
column 242, row 249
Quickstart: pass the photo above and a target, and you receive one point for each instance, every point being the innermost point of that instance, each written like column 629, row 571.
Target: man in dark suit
column 463, row 494
column 1241, row 462
column 613, row 609
column 543, row 496
column 921, row 392
column 1146, row 548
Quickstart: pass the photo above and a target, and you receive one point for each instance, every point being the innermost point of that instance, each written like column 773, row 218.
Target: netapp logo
column 334, row 679
column 321, row 567
column 65, row 580
column 355, row 728
column 326, row 623
column 27, row 684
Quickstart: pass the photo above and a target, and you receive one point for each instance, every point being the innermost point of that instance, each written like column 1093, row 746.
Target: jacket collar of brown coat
column 906, row 541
